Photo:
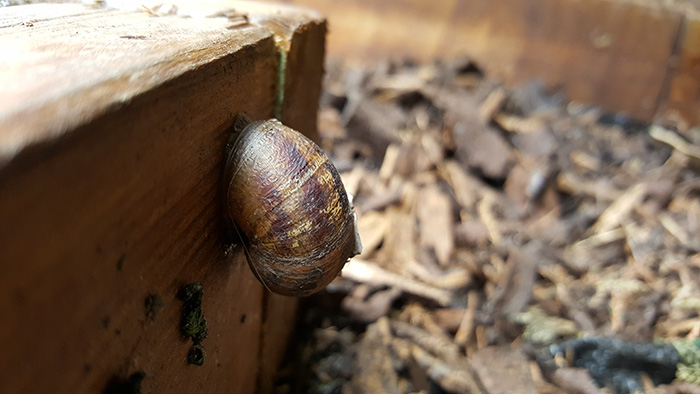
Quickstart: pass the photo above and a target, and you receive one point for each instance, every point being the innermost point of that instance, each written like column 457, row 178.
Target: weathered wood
column 610, row 53
column 614, row 53
column 302, row 87
column 683, row 94
column 112, row 135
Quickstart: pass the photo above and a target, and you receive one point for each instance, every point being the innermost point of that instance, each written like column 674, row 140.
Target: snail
column 286, row 201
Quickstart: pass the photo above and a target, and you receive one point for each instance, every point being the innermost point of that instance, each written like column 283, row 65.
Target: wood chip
column 455, row 278
column 466, row 188
column 503, row 370
column 465, row 332
column 374, row 371
column 372, row 227
column 482, row 148
column 366, row 309
column 517, row 124
column 613, row 216
column 449, row 319
column 585, row 161
column 486, row 208
column 366, row 272
column 400, row 240
column 677, row 142
column 493, row 104
column 437, row 224
column 449, row 376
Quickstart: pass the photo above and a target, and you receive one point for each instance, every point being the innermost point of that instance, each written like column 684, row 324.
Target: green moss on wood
column 193, row 325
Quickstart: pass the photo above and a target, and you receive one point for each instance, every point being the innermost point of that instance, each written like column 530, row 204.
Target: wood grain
column 301, row 85
column 111, row 141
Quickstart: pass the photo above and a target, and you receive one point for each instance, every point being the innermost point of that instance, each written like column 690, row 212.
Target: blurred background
column 635, row 57
column 526, row 178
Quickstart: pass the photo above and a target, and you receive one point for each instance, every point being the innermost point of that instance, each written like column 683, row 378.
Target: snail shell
column 289, row 206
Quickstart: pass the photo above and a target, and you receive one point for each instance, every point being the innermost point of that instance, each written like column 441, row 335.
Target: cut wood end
column 101, row 58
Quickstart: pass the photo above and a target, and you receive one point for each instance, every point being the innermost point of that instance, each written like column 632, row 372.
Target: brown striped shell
column 290, row 208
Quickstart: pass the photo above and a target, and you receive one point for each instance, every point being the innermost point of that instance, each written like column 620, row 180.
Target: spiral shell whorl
column 288, row 201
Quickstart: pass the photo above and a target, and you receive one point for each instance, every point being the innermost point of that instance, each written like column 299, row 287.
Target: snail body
column 288, row 204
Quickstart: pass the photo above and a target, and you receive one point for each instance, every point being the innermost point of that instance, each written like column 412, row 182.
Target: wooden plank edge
column 270, row 318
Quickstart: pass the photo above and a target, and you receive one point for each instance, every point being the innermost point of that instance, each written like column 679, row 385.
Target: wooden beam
column 112, row 134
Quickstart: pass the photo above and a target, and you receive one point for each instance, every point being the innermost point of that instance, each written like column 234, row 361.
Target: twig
column 366, row 272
